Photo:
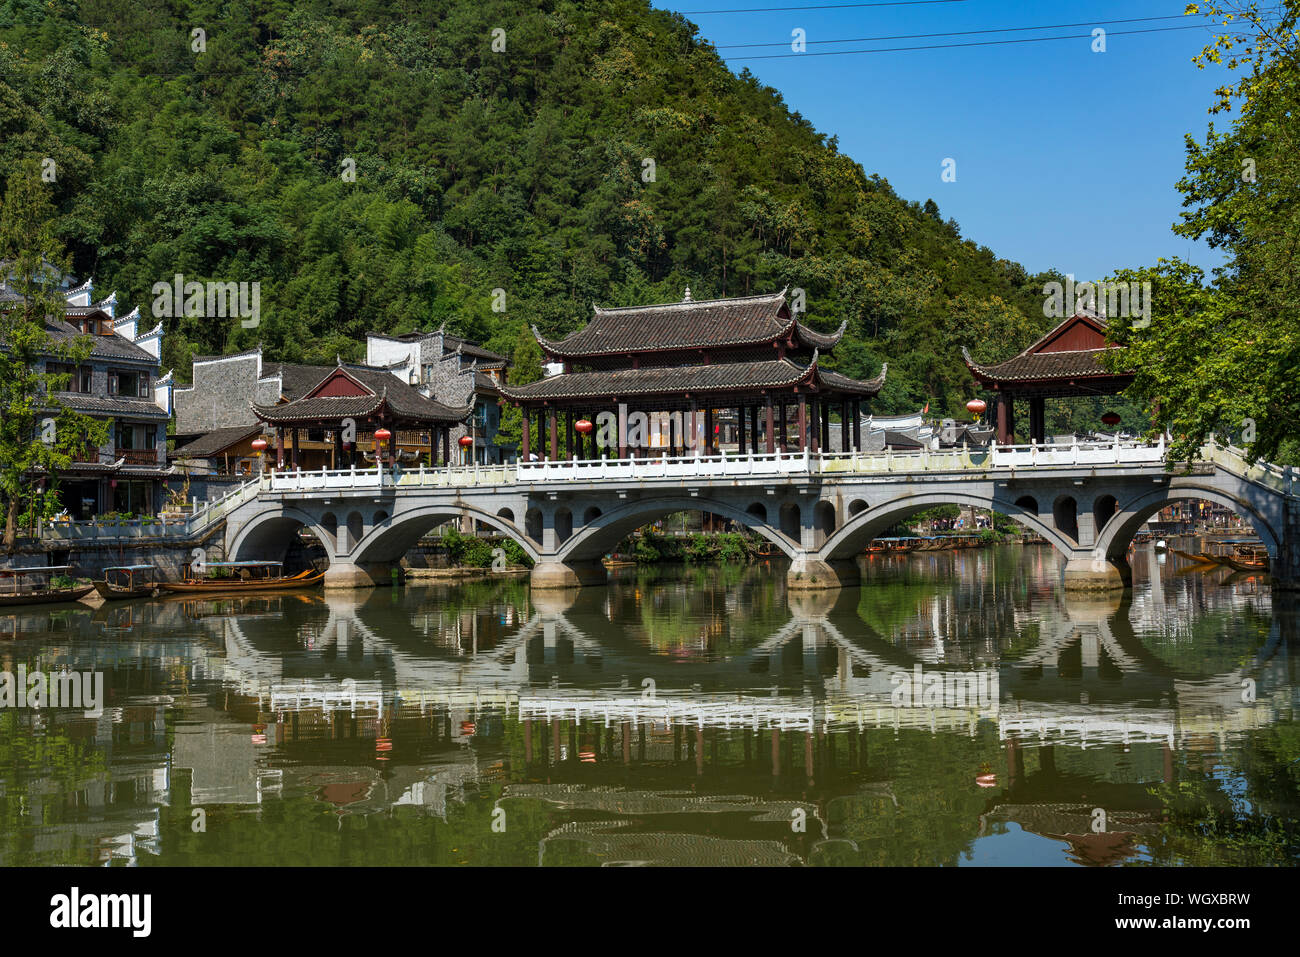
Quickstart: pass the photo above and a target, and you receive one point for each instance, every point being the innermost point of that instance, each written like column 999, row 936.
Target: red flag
column 926, row 409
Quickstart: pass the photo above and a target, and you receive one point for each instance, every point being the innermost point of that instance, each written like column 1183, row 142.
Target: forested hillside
column 523, row 170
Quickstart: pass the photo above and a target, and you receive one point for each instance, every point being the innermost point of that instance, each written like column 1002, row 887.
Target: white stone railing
column 1279, row 478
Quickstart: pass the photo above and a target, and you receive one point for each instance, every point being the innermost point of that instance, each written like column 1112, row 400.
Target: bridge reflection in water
column 956, row 710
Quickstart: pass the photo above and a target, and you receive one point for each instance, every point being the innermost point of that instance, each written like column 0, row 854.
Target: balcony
column 147, row 457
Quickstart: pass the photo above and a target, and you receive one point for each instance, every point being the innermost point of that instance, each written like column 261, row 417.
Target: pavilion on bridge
column 370, row 400
column 677, row 363
column 1066, row 362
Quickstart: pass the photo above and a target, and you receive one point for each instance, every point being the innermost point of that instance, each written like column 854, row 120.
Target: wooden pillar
column 695, row 432
column 825, row 414
column 1006, row 419
column 553, row 445
column 857, row 425
column 524, row 450
column 753, row 433
column 771, row 436
column 740, row 430
column 279, row 447
column 569, row 451
column 1038, row 419
column 845, row 425
column 785, row 430
column 446, row 446
column 392, row 444
column 802, row 423
column 293, row 451
column 708, row 428
column 815, row 425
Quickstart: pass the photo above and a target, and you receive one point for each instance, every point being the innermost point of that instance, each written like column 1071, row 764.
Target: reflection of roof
column 1071, row 350
column 217, row 441
column 691, row 324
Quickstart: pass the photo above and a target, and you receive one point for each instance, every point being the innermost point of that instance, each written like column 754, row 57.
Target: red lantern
column 976, row 407
column 259, row 445
column 1111, row 418
column 382, row 434
column 584, row 426
column 466, row 441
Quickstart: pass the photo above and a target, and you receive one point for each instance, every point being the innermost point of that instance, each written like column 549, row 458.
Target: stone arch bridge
column 820, row 511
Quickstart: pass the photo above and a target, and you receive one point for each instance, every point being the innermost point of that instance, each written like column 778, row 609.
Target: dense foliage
column 1221, row 356
column 39, row 434
column 229, row 155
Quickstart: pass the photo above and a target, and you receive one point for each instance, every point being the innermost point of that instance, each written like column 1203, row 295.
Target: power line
column 820, row 6
column 974, row 43
column 953, row 33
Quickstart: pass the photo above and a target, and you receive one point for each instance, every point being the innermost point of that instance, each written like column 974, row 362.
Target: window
column 150, row 438
column 127, row 383
column 86, row 377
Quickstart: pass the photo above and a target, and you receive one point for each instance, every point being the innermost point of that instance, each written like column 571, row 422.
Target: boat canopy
column 242, row 564
column 36, row 570
column 128, row 568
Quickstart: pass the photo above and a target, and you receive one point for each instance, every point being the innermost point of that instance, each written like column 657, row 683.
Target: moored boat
column 126, row 581
column 36, row 593
column 242, row 577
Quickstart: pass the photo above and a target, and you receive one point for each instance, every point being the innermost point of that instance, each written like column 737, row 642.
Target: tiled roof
column 1085, row 363
column 216, row 441
column 119, row 406
column 677, row 381
column 474, row 351
column 1042, row 361
column 842, row 383
column 703, row 324
column 664, row 380
column 296, row 380
column 383, row 387
column 825, row 341
column 105, row 347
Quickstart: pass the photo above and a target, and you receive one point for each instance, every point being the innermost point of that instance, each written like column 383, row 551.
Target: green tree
column 525, row 367
column 1222, row 357
column 39, row 435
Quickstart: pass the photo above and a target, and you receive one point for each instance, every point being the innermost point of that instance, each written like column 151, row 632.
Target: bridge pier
column 558, row 575
column 1089, row 574
column 343, row 574
column 811, row 574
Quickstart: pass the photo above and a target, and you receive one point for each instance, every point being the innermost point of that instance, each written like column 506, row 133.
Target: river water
column 956, row 709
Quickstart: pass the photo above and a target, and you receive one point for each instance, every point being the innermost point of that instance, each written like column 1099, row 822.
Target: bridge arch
column 1113, row 540
column 266, row 535
column 610, row 528
column 389, row 541
column 860, row 529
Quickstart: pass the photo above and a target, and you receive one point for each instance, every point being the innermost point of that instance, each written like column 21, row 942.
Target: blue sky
column 1065, row 158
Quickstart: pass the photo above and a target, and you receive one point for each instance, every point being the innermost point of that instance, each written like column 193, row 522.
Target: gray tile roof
column 118, row 406
column 383, row 387
column 703, row 324
column 216, row 441
column 105, row 347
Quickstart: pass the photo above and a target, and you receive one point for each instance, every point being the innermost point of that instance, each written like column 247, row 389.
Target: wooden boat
column 1245, row 564
column 252, row 577
column 36, row 594
column 1200, row 557
column 126, row 581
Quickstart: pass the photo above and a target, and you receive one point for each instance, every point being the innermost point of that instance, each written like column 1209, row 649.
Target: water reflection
column 955, row 709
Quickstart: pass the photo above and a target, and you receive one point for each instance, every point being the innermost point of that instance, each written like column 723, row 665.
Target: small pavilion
column 372, row 399
column 679, row 362
column 1066, row 362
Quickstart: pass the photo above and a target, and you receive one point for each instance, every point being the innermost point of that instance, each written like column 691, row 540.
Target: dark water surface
column 956, row 709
